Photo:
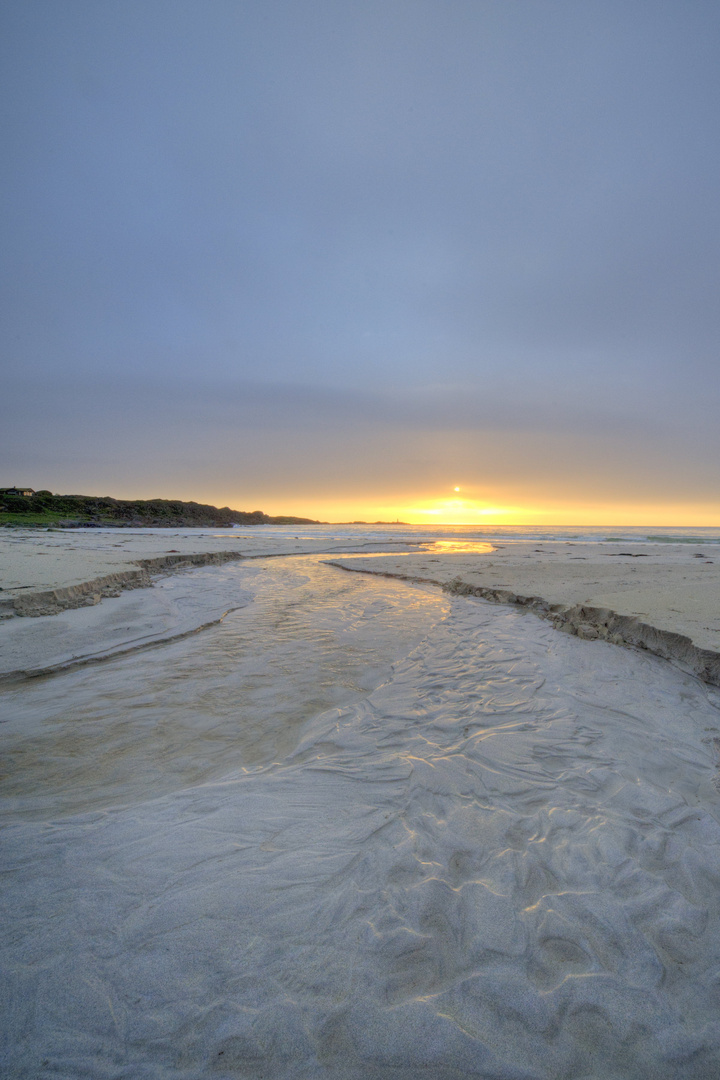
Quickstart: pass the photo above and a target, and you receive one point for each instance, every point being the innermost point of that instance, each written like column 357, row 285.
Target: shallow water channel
column 300, row 638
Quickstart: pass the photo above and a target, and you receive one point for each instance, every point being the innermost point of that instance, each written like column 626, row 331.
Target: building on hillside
column 17, row 491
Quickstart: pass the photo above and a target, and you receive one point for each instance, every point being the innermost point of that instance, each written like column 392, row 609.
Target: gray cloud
column 345, row 221
column 150, row 436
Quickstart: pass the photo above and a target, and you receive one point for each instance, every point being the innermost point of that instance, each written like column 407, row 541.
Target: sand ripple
column 504, row 862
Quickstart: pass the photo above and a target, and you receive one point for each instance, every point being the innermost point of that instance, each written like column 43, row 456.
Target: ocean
column 358, row 828
column 429, row 534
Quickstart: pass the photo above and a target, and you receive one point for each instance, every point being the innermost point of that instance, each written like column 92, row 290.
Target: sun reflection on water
column 476, row 547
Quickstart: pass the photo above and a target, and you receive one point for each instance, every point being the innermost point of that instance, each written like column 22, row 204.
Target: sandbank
column 43, row 572
column 65, row 574
column 661, row 597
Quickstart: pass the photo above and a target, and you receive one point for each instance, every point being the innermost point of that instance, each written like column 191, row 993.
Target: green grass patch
column 28, row 521
column 49, row 517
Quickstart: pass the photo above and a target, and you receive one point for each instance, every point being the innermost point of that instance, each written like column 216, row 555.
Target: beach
column 264, row 816
column 48, row 571
column 661, row 597
column 664, row 597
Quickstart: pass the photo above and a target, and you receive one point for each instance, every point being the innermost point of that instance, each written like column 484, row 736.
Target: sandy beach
column 661, row 597
column 69, row 597
column 46, row 571
column 360, row 541
column 267, row 817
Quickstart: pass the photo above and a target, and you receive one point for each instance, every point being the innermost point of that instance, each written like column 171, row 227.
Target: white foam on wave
column 502, row 862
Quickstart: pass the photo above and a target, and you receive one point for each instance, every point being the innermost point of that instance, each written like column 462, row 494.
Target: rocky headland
column 88, row 511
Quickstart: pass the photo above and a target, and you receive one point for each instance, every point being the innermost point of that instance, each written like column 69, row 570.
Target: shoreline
column 87, row 593
column 668, row 605
column 45, row 573
column 51, row 615
column 588, row 623
column 662, row 598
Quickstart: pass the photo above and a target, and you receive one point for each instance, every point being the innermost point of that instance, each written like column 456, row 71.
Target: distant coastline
column 23, row 508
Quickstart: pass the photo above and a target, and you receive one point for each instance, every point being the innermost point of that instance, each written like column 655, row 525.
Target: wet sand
column 71, row 597
column 661, row 597
column 43, row 572
column 359, row 830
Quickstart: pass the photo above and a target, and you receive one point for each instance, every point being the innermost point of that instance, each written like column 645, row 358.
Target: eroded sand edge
column 664, row 598
column 669, row 605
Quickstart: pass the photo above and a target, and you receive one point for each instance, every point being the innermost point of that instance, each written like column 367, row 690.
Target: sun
column 456, row 489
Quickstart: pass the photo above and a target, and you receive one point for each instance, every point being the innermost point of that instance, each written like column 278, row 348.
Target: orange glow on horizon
column 434, row 511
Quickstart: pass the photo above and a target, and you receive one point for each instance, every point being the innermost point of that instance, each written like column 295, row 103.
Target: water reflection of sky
column 437, row 547
column 474, row 547
column 422, row 534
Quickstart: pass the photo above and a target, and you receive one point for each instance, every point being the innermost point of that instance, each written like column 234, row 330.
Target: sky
column 437, row 260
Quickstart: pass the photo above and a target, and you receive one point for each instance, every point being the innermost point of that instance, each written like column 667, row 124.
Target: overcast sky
column 288, row 254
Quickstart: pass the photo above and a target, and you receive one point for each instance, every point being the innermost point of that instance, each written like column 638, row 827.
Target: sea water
column 426, row 535
column 359, row 828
